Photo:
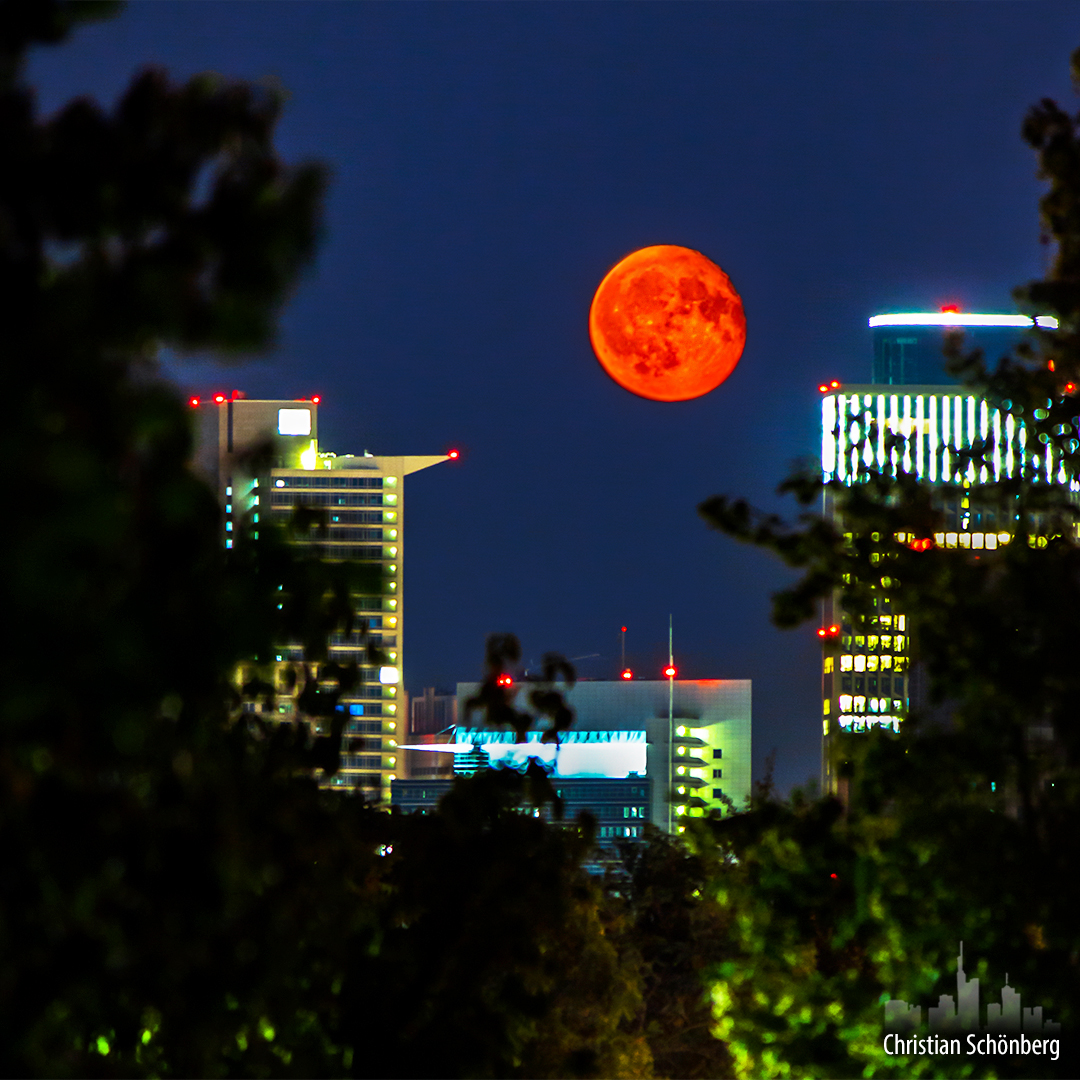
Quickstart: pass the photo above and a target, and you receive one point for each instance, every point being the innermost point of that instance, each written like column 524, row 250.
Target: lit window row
column 977, row 540
column 338, row 481
column 862, row 662
column 864, row 723
column 861, row 704
column 289, row 498
column 886, row 621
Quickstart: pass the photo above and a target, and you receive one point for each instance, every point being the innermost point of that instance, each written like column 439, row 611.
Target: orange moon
column 667, row 324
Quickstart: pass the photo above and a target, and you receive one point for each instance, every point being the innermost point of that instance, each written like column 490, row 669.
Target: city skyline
column 491, row 164
column 207, row 572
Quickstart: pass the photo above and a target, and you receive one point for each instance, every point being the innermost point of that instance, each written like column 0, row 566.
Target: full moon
column 667, row 324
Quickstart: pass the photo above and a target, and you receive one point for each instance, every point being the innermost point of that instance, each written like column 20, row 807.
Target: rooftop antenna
column 670, row 672
column 624, row 672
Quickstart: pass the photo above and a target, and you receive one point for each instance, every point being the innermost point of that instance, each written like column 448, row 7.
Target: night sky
column 490, row 162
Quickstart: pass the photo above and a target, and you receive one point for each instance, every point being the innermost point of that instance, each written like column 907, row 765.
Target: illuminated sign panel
column 294, row 421
column 610, row 754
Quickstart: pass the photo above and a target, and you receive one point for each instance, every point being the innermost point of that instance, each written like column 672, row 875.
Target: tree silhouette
column 179, row 897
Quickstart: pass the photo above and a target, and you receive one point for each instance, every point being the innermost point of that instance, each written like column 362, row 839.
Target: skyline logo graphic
column 1010, row 1030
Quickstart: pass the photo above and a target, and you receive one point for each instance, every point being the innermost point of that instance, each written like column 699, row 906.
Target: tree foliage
column 179, row 896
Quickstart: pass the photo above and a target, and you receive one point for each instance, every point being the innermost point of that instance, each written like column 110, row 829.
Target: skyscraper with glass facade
column 263, row 459
column 893, row 427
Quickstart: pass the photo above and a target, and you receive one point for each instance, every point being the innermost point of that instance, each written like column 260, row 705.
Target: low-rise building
column 639, row 750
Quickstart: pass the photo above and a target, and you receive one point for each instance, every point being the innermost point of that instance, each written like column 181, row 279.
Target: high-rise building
column 263, row 459
column 632, row 743
column 895, row 426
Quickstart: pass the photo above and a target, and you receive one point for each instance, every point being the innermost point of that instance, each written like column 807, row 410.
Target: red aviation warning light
column 925, row 544
column 219, row 399
column 316, row 399
column 193, row 402
column 828, row 631
column 453, row 455
column 670, row 671
column 627, row 673
column 834, row 384
column 504, row 680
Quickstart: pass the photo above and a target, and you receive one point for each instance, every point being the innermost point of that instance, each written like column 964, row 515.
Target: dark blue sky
column 490, row 162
